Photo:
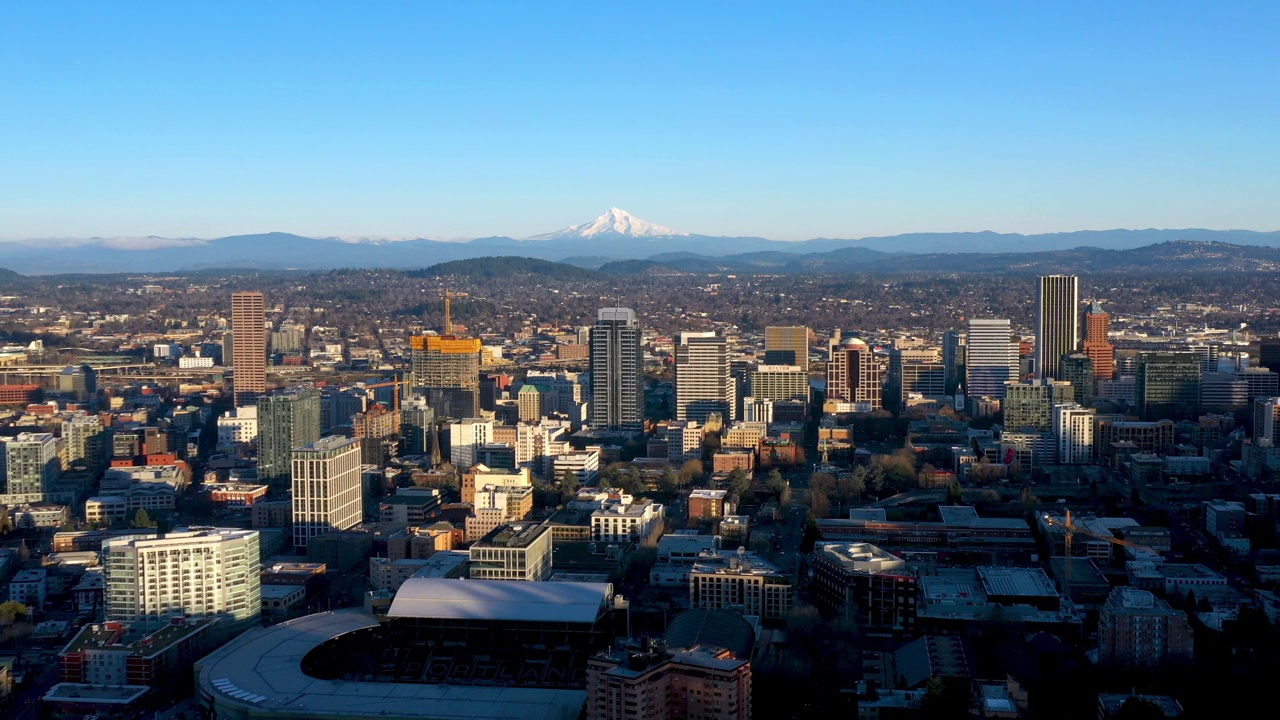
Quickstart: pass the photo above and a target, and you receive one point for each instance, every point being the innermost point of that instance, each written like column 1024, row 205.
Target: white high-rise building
column 465, row 437
column 1057, row 321
column 991, row 357
column 86, row 439
column 210, row 572
column 238, row 426
column 327, row 491
column 1073, row 426
column 32, row 465
column 703, row 382
column 1266, row 419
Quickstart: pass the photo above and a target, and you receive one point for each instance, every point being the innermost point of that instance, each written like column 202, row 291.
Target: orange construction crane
column 391, row 383
column 448, row 314
column 1070, row 528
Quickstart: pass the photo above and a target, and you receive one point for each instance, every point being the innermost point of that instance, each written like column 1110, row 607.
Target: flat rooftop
column 514, row 535
column 859, row 557
column 1016, row 582
column 97, row 694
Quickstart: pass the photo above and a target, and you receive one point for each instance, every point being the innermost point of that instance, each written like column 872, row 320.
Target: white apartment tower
column 991, row 357
column 327, row 494
column 1073, row 426
column 617, row 371
column 32, row 466
column 1266, row 419
column 200, row 573
column 703, row 382
column 465, row 437
column 1057, row 321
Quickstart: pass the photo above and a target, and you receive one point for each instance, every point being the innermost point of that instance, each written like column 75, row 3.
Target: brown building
column 1138, row 629
column 234, row 494
column 1146, row 437
column 572, row 351
column 376, row 428
column 862, row 582
column 248, row 346
column 701, row 682
column 708, row 505
column 1096, row 345
column 730, row 460
column 19, row 394
column 776, row 452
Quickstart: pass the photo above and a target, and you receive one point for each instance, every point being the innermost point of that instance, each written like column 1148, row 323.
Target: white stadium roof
column 259, row 675
column 503, row 600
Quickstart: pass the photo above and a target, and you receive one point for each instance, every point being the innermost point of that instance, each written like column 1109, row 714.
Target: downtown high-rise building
column 617, row 371
column 855, row 375
column 1266, row 420
column 1057, row 321
column 1029, row 405
column 786, row 345
column 446, row 370
column 248, row 346
column 327, row 490
column 286, row 420
column 955, row 346
column 1097, row 345
column 196, row 574
column 31, row 466
column 703, row 382
column 779, row 383
column 991, row 357
column 1168, row 383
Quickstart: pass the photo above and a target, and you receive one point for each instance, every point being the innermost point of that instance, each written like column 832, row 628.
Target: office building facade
column 787, row 345
column 1057, row 321
column 248, row 346
column 703, row 383
column 1097, row 344
column 327, row 489
column 991, row 357
column 286, row 420
column 854, row 375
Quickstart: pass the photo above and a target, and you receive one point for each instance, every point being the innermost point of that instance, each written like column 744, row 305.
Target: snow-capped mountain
column 613, row 223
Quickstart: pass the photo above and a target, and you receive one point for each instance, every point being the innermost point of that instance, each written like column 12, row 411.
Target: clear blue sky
column 786, row 120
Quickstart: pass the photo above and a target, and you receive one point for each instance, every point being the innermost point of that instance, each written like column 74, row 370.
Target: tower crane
column 1070, row 528
column 448, row 309
column 397, row 384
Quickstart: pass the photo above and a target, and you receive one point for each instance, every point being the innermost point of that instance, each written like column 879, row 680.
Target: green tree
column 142, row 519
column 954, row 495
column 810, row 536
column 12, row 610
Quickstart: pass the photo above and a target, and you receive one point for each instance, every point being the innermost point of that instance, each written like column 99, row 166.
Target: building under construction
column 445, row 369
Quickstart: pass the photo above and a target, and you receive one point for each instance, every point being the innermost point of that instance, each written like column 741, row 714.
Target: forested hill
column 490, row 268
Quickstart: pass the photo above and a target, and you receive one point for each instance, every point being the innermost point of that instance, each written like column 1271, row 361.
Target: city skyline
column 453, row 122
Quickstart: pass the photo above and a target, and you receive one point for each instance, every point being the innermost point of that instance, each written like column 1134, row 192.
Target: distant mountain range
column 619, row 236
